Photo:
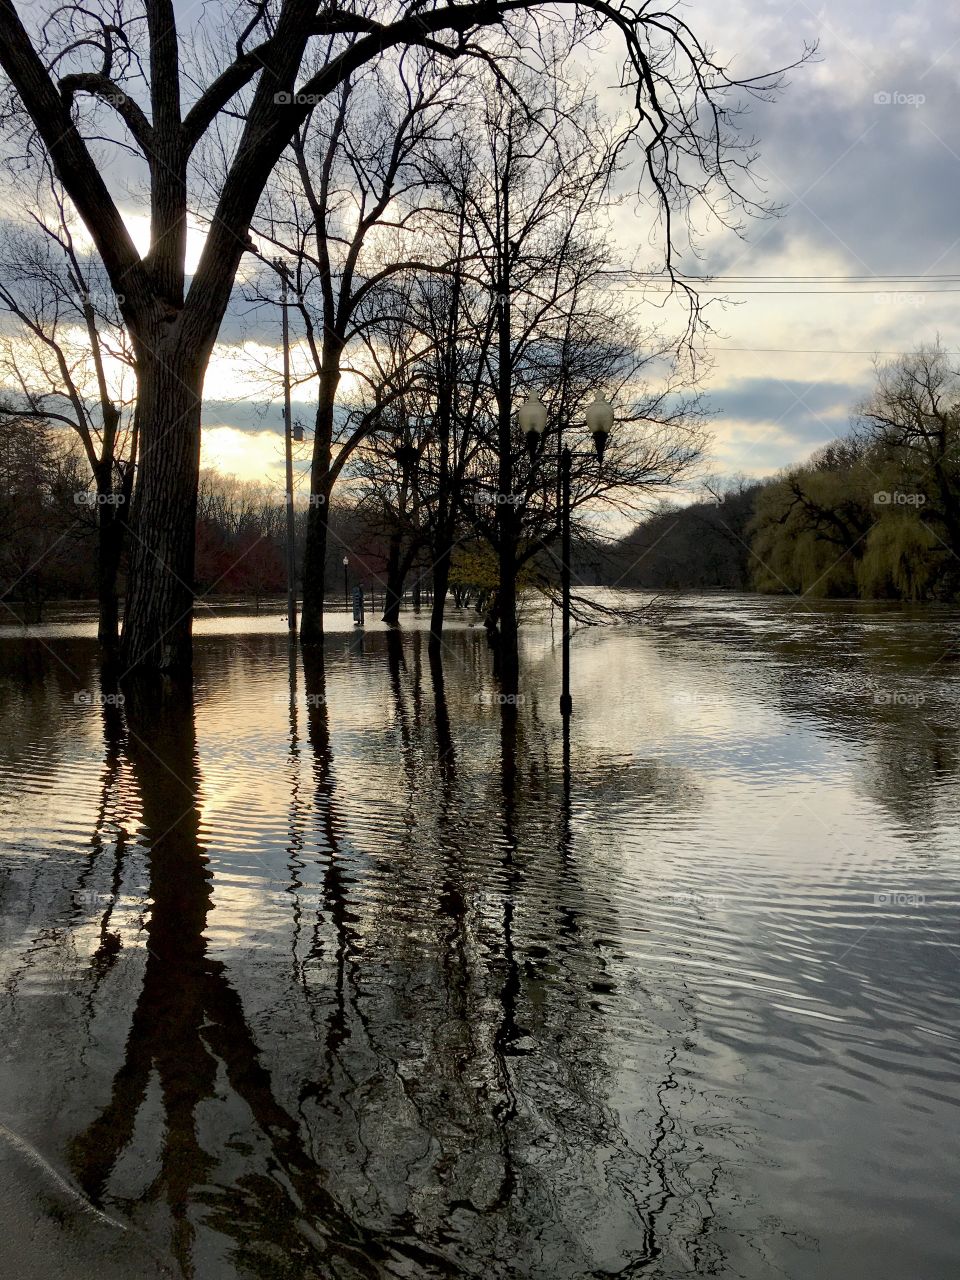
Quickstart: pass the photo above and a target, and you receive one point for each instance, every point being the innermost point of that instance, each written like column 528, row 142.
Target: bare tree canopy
column 65, row 361
column 94, row 82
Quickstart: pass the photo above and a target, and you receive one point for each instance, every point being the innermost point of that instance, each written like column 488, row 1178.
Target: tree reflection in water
column 419, row 997
column 189, row 1031
column 455, row 1110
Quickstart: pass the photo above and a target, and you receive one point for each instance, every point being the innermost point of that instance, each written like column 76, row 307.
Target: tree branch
column 102, row 87
column 74, row 165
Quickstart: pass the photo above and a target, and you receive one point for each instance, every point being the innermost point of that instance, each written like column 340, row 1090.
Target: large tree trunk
column 393, row 594
column 441, row 582
column 159, row 598
column 110, row 532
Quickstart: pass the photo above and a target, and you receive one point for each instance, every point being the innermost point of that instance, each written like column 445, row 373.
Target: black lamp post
column 533, row 420
column 288, row 437
column 346, row 585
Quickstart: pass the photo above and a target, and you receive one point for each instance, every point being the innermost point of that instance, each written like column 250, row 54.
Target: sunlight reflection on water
column 338, row 972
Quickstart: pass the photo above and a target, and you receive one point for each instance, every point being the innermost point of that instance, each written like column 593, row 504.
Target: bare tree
column 65, row 360
column 387, row 486
column 39, row 529
column 130, row 60
column 342, row 207
column 524, row 308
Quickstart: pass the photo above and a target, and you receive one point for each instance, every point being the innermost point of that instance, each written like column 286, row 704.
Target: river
column 338, row 966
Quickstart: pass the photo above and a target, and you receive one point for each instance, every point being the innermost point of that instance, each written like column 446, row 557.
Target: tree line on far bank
column 874, row 514
column 50, row 537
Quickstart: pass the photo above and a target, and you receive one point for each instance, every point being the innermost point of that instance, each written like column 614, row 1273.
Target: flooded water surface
column 338, row 966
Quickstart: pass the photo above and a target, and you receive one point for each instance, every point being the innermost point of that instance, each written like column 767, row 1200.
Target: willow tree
column 78, row 62
column 912, row 420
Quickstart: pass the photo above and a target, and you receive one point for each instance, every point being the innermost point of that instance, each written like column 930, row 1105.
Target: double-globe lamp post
column 532, row 417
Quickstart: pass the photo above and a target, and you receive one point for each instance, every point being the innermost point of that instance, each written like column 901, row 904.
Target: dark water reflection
column 332, row 965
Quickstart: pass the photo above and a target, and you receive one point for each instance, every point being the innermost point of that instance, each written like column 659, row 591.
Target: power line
column 944, row 279
column 783, row 275
column 814, row 351
column 812, row 293
column 857, row 288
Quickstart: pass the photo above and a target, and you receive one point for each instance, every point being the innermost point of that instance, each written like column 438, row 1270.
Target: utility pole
column 506, row 515
column 566, row 701
column 288, row 452
column 443, row 542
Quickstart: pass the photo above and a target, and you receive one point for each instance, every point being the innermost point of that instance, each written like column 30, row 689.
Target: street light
column 599, row 421
column 346, row 585
column 599, row 417
column 532, row 416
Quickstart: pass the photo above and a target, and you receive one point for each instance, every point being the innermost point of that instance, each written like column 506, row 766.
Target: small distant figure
column 358, row 609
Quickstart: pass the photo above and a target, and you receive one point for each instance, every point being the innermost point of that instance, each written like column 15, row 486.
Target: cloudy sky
column 862, row 150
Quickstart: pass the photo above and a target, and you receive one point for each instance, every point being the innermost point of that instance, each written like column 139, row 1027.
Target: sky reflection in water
column 332, row 969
